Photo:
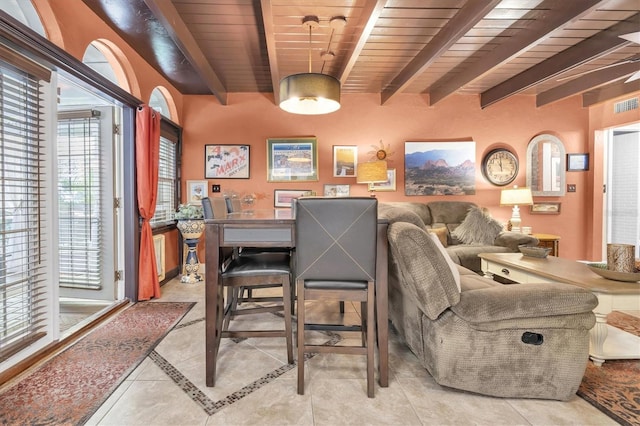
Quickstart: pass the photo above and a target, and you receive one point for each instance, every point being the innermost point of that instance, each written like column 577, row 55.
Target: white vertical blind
column 22, row 237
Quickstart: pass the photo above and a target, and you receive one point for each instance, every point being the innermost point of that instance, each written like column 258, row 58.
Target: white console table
column 606, row 342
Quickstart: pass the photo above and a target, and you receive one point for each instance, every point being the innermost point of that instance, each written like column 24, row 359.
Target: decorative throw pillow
column 442, row 233
column 478, row 227
column 450, row 263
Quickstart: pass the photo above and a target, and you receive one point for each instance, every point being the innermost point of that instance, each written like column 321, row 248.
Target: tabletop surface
column 563, row 270
column 248, row 216
column 272, row 216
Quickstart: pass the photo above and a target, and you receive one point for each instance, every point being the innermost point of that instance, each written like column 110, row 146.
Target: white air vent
column 626, row 105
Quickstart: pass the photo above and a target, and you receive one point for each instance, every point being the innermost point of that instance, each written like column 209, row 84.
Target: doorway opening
column 88, row 237
column 622, row 187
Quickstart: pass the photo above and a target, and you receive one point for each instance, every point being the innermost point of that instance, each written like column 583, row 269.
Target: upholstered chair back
column 207, row 208
column 336, row 239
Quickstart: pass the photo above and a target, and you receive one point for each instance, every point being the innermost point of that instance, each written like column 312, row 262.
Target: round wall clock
column 500, row 166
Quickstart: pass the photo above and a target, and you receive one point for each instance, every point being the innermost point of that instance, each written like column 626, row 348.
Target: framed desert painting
column 345, row 160
column 440, row 168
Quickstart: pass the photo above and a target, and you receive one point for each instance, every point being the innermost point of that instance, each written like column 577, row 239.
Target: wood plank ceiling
column 495, row 48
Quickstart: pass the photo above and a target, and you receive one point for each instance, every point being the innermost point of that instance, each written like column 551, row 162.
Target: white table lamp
column 516, row 197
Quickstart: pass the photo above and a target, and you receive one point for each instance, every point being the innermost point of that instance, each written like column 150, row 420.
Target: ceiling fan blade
column 634, row 37
column 604, row 67
column 635, row 76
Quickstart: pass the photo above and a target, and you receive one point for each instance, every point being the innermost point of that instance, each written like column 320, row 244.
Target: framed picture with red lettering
column 226, row 161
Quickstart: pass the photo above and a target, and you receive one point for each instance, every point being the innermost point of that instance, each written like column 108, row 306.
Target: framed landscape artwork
column 345, row 160
column 292, row 159
column 226, row 161
column 440, row 168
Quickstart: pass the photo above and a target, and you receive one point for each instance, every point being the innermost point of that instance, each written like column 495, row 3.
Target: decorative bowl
column 539, row 252
column 601, row 269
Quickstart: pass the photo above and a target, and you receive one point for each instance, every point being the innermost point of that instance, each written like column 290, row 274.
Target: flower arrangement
column 189, row 211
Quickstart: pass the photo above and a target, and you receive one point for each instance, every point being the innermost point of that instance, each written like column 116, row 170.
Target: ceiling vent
column 626, row 105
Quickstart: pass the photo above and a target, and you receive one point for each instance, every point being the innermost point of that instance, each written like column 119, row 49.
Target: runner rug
column 69, row 388
column 614, row 388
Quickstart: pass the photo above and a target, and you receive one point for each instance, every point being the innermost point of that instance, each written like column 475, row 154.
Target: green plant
column 189, row 211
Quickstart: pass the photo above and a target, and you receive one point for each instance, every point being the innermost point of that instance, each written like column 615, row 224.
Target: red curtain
column 147, row 161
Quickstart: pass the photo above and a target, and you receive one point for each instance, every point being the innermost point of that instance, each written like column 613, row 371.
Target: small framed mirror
column 546, row 164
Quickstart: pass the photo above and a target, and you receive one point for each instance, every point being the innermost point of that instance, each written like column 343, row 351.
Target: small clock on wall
column 500, row 166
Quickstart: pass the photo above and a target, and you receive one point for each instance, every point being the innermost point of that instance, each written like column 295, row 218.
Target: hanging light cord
column 309, row 49
column 333, row 30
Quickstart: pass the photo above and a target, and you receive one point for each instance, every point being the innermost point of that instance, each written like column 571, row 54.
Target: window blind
column 167, row 177
column 80, row 233
column 23, row 247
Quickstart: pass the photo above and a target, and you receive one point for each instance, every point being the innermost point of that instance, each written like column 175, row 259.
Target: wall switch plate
column 215, row 188
column 571, row 187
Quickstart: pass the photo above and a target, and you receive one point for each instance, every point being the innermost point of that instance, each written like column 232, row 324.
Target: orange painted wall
column 362, row 121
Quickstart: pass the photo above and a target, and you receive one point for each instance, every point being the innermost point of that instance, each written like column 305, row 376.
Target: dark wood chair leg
column 288, row 328
column 370, row 339
column 300, row 331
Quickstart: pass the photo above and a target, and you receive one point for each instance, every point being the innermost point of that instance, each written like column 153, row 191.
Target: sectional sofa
column 447, row 216
column 474, row 334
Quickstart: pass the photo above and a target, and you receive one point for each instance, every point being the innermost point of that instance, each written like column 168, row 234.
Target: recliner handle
column 532, row 338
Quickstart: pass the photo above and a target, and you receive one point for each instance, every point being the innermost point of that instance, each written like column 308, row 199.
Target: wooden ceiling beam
column 600, row 44
column 269, row 36
column 609, row 92
column 370, row 14
column 563, row 13
column 586, row 82
column 166, row 13
column 465, row 19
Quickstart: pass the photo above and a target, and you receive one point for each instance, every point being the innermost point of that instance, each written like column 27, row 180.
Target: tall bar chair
column 234, row 205
column 336, row 260
column 263, row 270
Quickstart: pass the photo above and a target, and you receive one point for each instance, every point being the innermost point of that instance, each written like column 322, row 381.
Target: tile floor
column 76, row 312
column 256, row 386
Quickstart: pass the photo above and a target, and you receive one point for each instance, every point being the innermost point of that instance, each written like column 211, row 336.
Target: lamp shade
column 372, row 172
column 516, row 197
column 310, row 94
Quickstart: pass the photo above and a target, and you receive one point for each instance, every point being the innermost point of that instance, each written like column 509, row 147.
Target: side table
column 550, row 241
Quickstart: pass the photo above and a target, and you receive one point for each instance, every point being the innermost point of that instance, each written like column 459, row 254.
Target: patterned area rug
column 614, row 388
column 70, row 387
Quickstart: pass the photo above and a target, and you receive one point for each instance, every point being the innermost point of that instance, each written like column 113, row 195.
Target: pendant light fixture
column 310, row 93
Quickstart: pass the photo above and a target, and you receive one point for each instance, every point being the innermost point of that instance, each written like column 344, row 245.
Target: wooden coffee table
column 606, row 342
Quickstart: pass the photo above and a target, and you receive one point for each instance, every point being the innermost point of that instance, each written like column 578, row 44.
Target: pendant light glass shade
column 310, row 94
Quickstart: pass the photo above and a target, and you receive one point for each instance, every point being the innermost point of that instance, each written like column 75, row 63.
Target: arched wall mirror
column 546, row 164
